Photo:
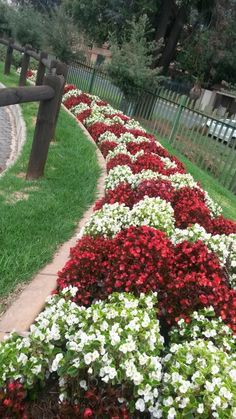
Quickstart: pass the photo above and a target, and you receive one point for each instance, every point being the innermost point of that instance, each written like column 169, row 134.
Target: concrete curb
column 18, row 133
column 22, row 313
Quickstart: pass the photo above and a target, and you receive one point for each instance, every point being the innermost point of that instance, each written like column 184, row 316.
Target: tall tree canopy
column 38, row 4
column 167, row 17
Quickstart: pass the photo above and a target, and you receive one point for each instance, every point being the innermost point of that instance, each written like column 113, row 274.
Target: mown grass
column 37, row 216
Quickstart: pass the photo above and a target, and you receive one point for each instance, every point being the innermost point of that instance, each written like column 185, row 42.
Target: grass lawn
column 37, row 216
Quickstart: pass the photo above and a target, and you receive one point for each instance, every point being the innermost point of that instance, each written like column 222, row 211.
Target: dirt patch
column 21, row 175
column 16, row 197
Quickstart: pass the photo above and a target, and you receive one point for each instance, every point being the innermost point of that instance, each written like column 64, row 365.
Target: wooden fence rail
column 48, row 91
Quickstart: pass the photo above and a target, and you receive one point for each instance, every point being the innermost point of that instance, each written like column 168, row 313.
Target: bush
column 130, row 64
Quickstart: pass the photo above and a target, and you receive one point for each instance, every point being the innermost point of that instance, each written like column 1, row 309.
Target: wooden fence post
column 24, row 66
column 53, row 66
column 41, row 69
column 8, row 60
column 61, row 70
column 44, row 128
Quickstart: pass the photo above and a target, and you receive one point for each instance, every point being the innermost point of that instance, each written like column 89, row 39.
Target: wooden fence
column 207, row 138
column 48, row 91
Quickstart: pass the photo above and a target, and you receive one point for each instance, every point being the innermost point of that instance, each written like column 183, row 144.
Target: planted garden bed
column 143, row 320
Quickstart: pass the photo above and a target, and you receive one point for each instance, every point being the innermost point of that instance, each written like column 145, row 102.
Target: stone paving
column 5, row 136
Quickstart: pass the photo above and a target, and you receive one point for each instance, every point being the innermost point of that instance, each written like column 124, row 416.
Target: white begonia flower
column 22, row 358
column 232, row 374
column 200, row 408
column 169, row 401
column 140, row 405
column 56, row 362
column 108, row 221
column 36, row 369
column 72, row 92
column 171, row 413
column 184, row 387
column 153, row 212
column 215, row 369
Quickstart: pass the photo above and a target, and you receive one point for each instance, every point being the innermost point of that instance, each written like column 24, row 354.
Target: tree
column 27, row 26
column 4, row 19
column 209, row 51
column 59, row 34
column 99, row 18
column 130, row 68
column 167, row 17
column 41, row 5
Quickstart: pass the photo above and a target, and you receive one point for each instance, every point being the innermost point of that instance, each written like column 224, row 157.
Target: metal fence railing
column 205, row 138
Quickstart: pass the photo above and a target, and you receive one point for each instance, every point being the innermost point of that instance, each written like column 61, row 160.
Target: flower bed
column 143, row 320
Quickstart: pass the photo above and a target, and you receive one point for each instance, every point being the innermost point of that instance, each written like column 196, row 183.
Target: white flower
column 169, row 401
column 140, row 405
column 200, row 408
column 184, row 402
column 171, row 413
column 232, row 374
column 184, row 387
column 83, row 384
column 22, row 359
column 36, row 369
column 56, row 362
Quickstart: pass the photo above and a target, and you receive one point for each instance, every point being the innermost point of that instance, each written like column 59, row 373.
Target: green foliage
column 27, row 26
column 130, row 65
column 59, row 34
column 209, row 52
column 4, row 18
column 100, row 17
column 38, row 4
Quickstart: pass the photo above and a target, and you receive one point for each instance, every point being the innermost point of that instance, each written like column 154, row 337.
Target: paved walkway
column 5, row 136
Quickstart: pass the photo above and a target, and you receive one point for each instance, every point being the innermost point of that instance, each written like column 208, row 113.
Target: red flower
column 123, row 194
column 87, row 413
column 12, row 401
column 86, row 268
column 148, row 162
column 29, row 73
column 69, row 87
column 147, row 147
column 98, row 128
column 195, row 278
column 101, row 103
column 119, row 159
column 140, row 260
column 76, row 100
column 122, row 117
column 107, row 146
column 220, row 225
column 155, row 188
column 83, row 115
column 139, row 133
column 189, row 207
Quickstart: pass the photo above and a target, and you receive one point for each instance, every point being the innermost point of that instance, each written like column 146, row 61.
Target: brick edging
column 23, row 311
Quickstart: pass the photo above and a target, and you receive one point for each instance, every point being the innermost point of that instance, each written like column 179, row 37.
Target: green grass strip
column 37, row 216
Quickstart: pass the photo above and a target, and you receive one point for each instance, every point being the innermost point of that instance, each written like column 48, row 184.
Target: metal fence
column 205, row 138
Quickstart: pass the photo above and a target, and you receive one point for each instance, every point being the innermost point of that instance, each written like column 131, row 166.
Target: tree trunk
column 169, row 50
column 163, row 19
